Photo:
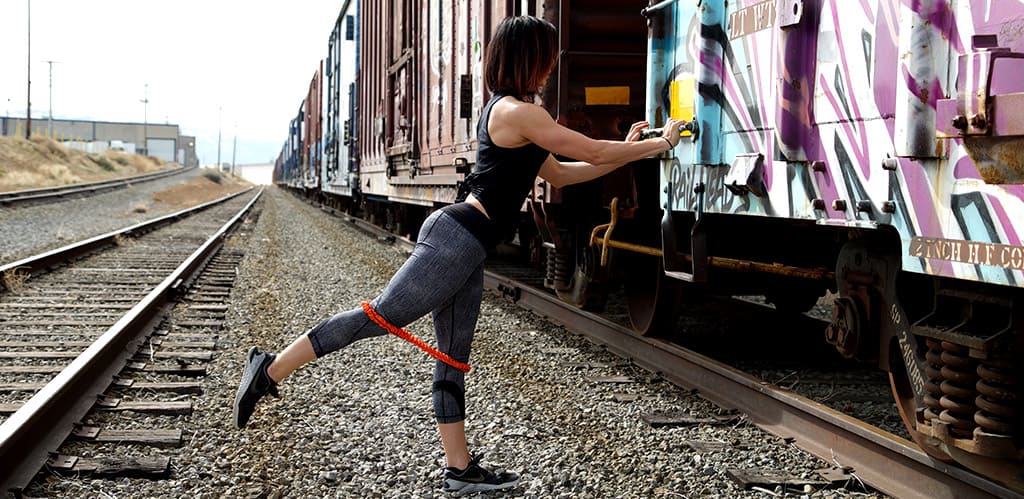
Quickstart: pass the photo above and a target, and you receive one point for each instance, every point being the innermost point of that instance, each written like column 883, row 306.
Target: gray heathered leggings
column 443, row 276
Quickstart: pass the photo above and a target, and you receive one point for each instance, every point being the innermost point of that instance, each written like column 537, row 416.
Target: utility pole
column 145, row 119
column 218, row 138
column 234, row 142
column 49, row 125
column 28, row 112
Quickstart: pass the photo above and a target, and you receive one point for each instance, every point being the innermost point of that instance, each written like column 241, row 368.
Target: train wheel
column 588, row 286
column 651, row 297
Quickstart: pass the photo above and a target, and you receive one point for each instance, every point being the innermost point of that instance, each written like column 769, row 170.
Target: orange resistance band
column 407, row 336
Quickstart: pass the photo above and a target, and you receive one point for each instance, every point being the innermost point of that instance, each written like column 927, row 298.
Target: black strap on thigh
column 455, row 391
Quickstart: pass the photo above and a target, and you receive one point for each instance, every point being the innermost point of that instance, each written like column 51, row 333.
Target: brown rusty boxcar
column 312, row 124
column 420, row 92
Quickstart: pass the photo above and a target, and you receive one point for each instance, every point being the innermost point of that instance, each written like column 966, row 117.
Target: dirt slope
column 44, row 162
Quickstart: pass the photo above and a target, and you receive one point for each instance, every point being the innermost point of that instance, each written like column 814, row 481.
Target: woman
column 444, row 274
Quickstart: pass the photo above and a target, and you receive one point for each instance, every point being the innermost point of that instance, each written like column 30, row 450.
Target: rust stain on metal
column 1000, row 160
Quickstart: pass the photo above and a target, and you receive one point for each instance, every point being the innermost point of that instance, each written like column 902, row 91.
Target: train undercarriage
column 952, row 347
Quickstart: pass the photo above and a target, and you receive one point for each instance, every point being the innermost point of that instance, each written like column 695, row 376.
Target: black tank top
column 502, row 176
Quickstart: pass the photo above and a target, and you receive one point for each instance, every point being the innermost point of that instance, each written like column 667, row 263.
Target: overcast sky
column 251, row 60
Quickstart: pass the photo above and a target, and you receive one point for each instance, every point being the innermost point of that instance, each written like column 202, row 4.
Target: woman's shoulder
column 511, row 108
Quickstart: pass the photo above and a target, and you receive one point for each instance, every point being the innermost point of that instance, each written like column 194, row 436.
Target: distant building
column 162, row 141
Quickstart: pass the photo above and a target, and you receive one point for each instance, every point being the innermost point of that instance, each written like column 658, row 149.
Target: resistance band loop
column 407, row 336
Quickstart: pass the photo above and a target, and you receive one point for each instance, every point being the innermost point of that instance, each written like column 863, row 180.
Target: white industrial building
column 162, row 141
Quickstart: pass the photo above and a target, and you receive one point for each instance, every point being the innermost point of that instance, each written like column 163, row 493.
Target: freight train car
column 288, row 170
column 875, row 158
column 311, row 132
column 339, row 168
column 871, row 149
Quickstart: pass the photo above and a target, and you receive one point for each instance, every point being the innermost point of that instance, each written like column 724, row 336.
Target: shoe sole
column 235, row 411
column 472, row 488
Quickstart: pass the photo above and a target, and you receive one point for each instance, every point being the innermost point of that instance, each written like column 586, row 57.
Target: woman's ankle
column 458, row 462
column 276, row 374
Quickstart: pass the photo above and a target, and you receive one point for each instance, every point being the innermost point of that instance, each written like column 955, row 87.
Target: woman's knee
column 449, row 402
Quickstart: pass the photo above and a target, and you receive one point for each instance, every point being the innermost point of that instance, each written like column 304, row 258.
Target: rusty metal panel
column 603, row 55
column 453, row 45
column 402, row 79
column 389, row 87
column 372, row 104
column 312, row 127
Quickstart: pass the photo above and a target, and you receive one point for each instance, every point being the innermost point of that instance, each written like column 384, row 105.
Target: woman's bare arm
column 514, row 123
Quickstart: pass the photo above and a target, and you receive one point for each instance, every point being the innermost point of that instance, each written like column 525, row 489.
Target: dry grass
column 44, row 162
column 14, row 280
column 206, row 187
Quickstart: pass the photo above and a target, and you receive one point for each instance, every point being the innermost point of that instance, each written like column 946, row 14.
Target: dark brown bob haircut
column 521, row 53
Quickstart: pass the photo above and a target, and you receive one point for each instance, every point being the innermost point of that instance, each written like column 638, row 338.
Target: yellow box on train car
column 681, row 101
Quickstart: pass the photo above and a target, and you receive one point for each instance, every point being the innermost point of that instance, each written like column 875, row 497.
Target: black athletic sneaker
column 476, row 478
column 255, row 384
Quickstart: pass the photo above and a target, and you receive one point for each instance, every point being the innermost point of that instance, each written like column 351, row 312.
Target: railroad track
column 112, row 327
column 45, row 195
column 882, row 460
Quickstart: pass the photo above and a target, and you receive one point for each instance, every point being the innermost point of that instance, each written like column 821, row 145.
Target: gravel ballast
column 358, row 423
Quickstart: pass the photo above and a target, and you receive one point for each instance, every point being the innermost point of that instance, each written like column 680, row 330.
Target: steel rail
column 29, row 436
column 57, row 193
column 888, row 463
column 32, row 265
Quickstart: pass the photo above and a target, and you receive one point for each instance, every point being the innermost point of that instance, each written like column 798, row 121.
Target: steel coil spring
column 958, row 388
column 932, row 386
column 997, row 401
column 559, row 268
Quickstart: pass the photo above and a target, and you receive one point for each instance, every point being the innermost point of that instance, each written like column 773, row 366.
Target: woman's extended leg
column 438, row 267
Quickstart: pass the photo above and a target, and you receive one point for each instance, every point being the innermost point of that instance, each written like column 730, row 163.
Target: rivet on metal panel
column 839, row 205
column 864, row 205
column 978, row 121
column 818, row 204
column 888, row 207
column 817, row 166
column 890, row 164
